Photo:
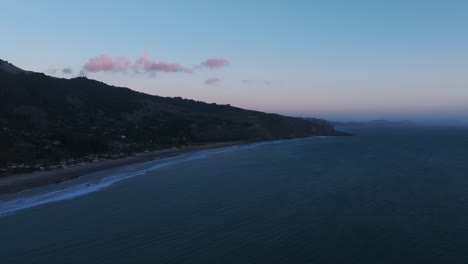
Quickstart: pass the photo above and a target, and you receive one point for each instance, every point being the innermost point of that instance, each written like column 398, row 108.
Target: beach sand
column 19, row 182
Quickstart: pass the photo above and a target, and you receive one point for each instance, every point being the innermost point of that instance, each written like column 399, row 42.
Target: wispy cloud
column 212, row 81
column 106, row 63
column 67, row 71
column 215, row 63
column 146, row 64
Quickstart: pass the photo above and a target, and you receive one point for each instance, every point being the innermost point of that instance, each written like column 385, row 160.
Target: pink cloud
column 215, row 63
column 145, row 63
column 105, row 62
column 212, row 81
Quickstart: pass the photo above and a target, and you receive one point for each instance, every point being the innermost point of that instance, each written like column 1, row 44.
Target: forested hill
column 49, row 119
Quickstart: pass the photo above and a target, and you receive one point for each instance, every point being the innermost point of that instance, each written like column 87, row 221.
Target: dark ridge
column 46, row 120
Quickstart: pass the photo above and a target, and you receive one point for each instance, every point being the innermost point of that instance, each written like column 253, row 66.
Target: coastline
column 19, row 182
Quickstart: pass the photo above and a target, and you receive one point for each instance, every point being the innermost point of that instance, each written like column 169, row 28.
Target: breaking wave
column 29, row 200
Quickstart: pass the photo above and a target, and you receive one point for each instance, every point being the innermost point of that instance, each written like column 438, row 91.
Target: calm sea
column 386, row 195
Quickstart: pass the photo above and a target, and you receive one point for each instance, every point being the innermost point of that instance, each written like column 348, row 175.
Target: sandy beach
column 19, row 182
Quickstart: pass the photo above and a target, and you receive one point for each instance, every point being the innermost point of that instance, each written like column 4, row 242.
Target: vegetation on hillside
column 45, row 120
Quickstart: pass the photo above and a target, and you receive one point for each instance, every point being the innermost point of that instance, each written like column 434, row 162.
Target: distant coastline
column 18, row 182
column 53, row 129
column 51, row 123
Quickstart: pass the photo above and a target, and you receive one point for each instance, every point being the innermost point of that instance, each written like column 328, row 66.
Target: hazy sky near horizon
column 333, row 59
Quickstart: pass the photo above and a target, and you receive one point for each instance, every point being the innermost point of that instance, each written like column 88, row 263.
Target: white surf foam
column 24, row 201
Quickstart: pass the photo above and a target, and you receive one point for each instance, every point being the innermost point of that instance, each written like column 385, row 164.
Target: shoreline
column 19, row 182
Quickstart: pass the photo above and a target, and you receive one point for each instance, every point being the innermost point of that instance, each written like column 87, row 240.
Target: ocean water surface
column 385, row 195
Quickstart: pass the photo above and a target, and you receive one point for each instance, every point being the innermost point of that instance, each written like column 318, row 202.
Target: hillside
column 47, row 120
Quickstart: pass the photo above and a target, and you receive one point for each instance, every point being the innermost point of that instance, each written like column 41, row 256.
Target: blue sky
column 332, row 59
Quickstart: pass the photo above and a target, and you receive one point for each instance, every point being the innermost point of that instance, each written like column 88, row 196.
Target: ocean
column 384, row 195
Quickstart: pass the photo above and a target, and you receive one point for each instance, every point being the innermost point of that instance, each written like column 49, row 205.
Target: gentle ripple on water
column 382, row 196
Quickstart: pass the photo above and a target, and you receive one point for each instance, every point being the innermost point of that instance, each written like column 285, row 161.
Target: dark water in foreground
column 384, row 196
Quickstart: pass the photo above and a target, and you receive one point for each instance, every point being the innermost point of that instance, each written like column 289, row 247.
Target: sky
column 339, row 60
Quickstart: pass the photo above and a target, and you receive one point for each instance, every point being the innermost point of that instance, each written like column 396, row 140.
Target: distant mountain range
column 49, row 119
column 387, row 123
